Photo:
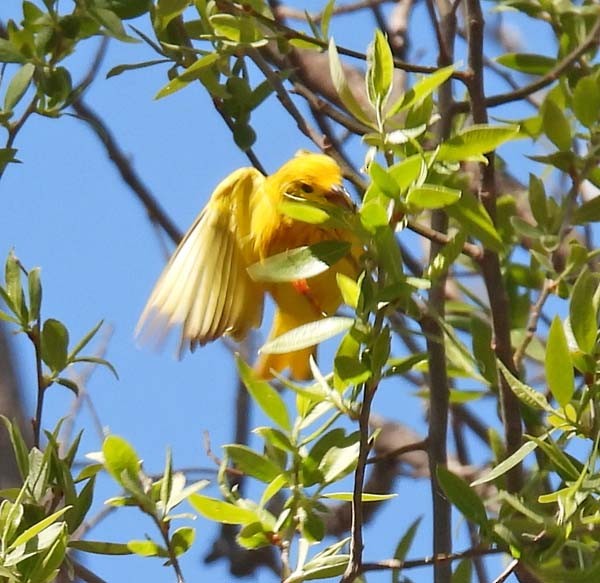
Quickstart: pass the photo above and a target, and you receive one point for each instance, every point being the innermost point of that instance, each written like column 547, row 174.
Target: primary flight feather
column 205, row 287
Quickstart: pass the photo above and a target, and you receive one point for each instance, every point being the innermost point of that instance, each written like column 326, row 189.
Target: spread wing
column 205, row 287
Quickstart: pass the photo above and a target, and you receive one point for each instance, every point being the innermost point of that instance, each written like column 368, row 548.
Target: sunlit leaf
column 559, row 370
column 308, row 335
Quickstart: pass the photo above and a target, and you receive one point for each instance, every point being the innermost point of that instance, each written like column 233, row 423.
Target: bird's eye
column 307, row 188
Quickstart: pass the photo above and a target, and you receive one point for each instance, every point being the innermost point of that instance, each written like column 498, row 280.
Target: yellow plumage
column 205, row 288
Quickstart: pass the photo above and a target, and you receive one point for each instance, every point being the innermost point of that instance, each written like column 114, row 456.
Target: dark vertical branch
column 445, row 30
column 462, row 453
column 490, row 264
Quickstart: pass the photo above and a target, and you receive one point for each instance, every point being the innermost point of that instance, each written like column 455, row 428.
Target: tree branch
column 130, row 176
column 490, row 265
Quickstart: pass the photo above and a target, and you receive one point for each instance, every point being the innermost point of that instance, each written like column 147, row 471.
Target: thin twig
column 155, row 211
column 532, row 324
column 290, row 34
column 356, row 541
column 35, row 337
column 554, row 74
column 433, row 560
column 441, row 239
column 81, row 379
column 396, row 453
column 285, row 100
column 84, row 573
column 349, row 8
column 507, row 572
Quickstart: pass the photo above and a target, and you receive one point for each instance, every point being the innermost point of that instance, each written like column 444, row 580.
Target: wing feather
column 205, row 287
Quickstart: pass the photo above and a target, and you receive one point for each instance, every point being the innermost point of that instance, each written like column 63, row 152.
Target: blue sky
column 65, row 209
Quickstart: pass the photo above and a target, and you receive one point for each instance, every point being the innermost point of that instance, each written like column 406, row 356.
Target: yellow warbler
column 206, row 288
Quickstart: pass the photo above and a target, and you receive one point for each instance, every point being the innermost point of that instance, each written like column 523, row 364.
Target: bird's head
column 311, row 177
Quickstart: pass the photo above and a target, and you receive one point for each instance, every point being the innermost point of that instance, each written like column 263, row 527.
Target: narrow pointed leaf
column 221, row 511
column 559, row 370
column 507, row 464
column 462, row 496
column 525, row 393
column 264, row 395
column 308, row 335
column 301, row 263
column 341, row 86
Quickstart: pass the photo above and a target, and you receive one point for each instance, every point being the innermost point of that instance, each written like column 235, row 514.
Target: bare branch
column 155, row 211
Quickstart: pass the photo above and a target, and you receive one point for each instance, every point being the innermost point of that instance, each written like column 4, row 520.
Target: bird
column 206, row 289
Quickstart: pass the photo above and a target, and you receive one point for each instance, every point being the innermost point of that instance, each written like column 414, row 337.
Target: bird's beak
column 339, row 196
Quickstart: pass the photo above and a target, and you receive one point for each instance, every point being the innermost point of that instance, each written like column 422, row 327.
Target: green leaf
column 525, row 393
column 403, row 547
column 14, row 290
column 559, row 370
column 349, row 289
column 422, row 89
column 537, row 200
column 583, row 316
column 308, row 335
column 100, row 547
column 475, row 220
column 85, row 340
column 171, row 87
column 481, row 334
column 195, row 70
column 182, row 539
column 340, row 461
column 530, row 64
column 275, row 438
column 408, row 171
column 38, row 528
column 586, row 101
column 253, row 536
column 462, row 496
column 120, row 459
column 221, row 511
column 18, row 85
column 341, row 86
column 119, row 69
column 300, row 263
column 365, row 496
column 384, row 180
column 251, row 463
column 400, row 366
column 472, row 142
column 463, row 572
column 9, row 52
column 78, row 513
column 509, row 463
column 19, row 446
column 588, row 212
column 432, row 196
column 348, row 367
column 304, row 212
column 147, row 548
column 373, row 215
column 380, row 70
column 556, row 126
column 55, row 341
column 326, row 17
column 264, row 395
column 99, row 361
column 167, row 10
column 35, row 293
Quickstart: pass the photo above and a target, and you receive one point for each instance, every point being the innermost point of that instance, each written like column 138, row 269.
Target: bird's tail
column 297, row 362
